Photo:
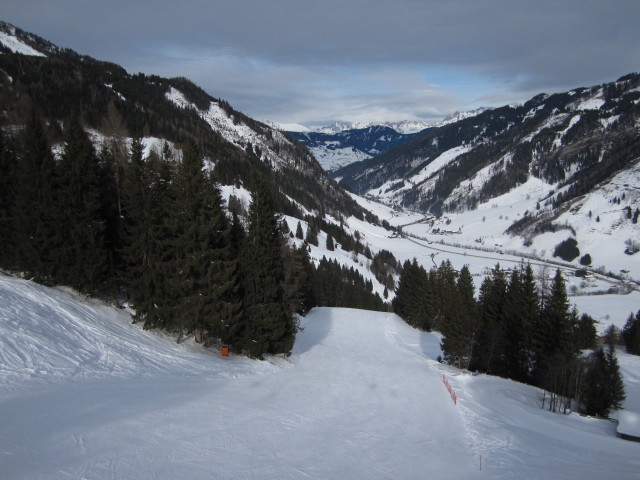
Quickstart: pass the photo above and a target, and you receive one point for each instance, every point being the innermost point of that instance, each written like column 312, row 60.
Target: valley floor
column 86, row 395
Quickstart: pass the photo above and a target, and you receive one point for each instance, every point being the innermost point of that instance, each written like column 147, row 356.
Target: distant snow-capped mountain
column 404, row 127
column 343, row 143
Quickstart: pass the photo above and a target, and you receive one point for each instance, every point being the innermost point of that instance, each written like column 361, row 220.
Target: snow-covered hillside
column 85, row 394
column 24, row 43
column 333, row 156
column 235, row 131
column 557, row 138
column 15, row 45
column 599, row 223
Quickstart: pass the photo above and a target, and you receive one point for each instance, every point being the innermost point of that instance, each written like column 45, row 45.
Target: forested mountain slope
column 151, row 193
column 58, row 82
column 570, row 141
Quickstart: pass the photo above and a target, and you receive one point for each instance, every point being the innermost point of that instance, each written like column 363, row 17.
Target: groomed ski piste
column 85, row 394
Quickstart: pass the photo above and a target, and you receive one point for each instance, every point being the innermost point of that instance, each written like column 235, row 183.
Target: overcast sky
column 316, row 61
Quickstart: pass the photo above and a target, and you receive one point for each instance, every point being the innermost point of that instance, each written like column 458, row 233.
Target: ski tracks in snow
column 49, row 335
column 85, row 394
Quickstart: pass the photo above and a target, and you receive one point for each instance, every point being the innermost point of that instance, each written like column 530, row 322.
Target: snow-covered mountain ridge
column 19, row 41
column 404, row 127
column 238, row 133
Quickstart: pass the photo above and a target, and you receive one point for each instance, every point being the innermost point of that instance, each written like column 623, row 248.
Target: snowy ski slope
column 84, row 394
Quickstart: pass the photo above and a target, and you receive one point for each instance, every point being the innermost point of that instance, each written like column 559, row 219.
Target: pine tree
column 284, row 227
column 33, row 217
column 321, row 284
column 312, row 234
column 147, row 240
column 413, row 300
column 80, row 242
column 521, row 312
column 298, row 292
column 631, row 334
column 204, row 271
column 594, row 396
column 231, row 328
column 460, row 321
column 268, row 326
column 586, row 260
column 555, row 368
column 603, row 386
column 7, row 198
column 422, row 299
column 615, row 387
column 529, row 320
column 136, row 232
column 329, row 243
column 111, row 172
column 445, row 294
column 299, row 233
column 514, row 328
column 554, row 332
column 489, row 351
column 236, row 235
column 231, row 307
column 405, row 284
column 584, row 332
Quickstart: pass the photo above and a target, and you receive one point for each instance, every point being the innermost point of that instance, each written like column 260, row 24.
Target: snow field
column 355, row 400
column 517, row 439
column 335, row 158
column 485, row 227
column 232, row 130
column 361, row 397
column 17, row 46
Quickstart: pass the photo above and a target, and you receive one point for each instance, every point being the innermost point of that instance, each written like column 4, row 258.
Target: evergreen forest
column 153, row 232
column 519, row 327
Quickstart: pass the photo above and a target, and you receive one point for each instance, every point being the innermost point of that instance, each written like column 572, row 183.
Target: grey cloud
column 299, row 59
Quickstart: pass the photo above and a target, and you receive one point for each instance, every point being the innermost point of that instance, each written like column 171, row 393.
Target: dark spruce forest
column 152, row 230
